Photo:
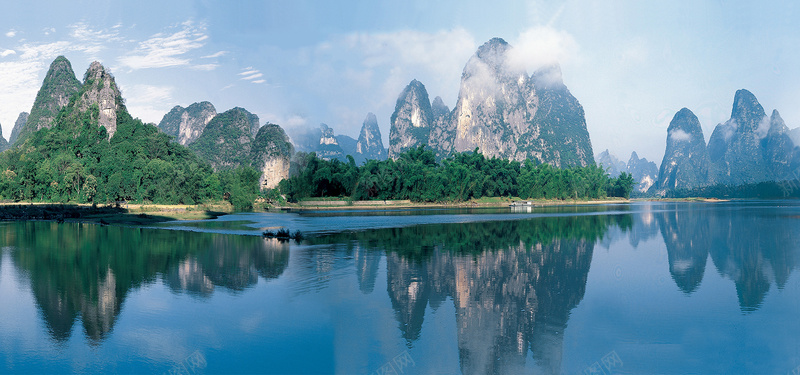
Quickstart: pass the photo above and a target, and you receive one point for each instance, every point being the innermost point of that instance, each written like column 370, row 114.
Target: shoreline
column 147, row 214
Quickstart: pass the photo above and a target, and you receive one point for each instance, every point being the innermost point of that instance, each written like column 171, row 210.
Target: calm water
column 640, row 288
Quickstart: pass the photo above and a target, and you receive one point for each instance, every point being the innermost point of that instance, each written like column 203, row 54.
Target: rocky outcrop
column 411, row 120
column 99, row 89
column 348, row 144
column 186, row 124
column 22, row 119
column 501, row 111
column 370, row 144
column 227, row 140
column 58, row 87
column 329, row 148
column 685, row 163
column 644, row 172
column 271, row 154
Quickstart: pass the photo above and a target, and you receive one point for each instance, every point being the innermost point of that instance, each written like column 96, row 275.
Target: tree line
column 417, row 176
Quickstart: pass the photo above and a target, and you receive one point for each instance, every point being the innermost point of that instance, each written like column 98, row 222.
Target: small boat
column 521, row 204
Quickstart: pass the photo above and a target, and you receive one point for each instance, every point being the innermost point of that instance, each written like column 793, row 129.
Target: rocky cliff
column 22, row 119
column 271, row 154
column 370, row 144
column 58, row 87
column 501, row 110
column 186, row 124
column 685, row 163
column 227, row 140
column 411, row 121
column 99, row 89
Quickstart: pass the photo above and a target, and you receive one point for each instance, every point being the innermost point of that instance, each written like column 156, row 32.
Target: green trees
column 416, row 175
column 74, row 161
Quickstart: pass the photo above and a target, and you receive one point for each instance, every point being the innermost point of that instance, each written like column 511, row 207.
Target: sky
column 631, row 64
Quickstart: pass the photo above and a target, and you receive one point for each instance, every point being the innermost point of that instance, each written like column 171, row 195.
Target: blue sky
column 631, row 64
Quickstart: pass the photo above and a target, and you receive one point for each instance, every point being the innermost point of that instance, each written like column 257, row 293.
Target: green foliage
column 416, row 175
column 75, row 162
column 240, row 186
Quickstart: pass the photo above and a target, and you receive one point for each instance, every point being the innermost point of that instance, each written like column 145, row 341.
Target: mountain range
column 750, row 147
column 644, row 172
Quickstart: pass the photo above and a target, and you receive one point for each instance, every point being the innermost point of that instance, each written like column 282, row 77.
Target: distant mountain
column 644, row 172
column 794, row 134
column 370, row 145
column 18, row 125
column 751, row 146
column 227, row 140
column 347, row 143
column 328, row 148
column 186, row 124
column 501, row 111
column 610, row 163
column 57, row 88
column 685, row 163
column 271, row 154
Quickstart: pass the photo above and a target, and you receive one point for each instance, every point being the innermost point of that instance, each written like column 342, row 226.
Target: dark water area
column 646, row 287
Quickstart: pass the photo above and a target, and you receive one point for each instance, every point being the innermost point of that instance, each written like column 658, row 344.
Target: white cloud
column 166, row 50
column 214, row 55
column 205, row 67
column 251, row 74
column 259, row 81
column 679, row 135
column 11, row 33
column 763, row 127
column 7, row 53
column 540, row 46
column 49, row 30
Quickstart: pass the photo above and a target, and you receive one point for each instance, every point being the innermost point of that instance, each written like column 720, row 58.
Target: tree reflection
column 86, row 271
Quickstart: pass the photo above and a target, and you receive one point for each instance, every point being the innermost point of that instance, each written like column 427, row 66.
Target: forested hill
column 93, row 150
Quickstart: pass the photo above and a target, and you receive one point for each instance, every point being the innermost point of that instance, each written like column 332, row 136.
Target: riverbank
column 342, row 204
column 123, row 214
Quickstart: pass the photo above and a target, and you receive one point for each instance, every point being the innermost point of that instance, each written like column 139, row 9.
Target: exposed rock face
column 501, row 111
column 329, row 148
column 685, row 163
column 227, row 140
column 272, row 153
column 411, row 121
column 100, row 89
column 370, row 144
column 751, row 147
column 22, row 119
column 186, row 124
column 443, row 131
column 58, row 87
column 611, row 164
column 644, row 172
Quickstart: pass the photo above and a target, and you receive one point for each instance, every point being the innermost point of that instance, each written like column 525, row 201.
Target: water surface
column 639, row 288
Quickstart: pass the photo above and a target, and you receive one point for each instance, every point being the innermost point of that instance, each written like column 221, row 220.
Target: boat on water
column 521, row 204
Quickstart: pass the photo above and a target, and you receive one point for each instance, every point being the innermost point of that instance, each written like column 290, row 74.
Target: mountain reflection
column 86, row 271
column 752, row 246
column 513, row 283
